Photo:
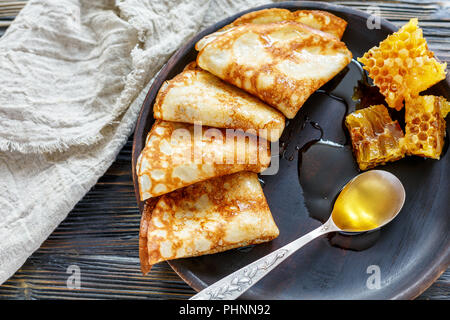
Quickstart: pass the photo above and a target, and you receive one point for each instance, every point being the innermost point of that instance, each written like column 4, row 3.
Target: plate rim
column 428, row 277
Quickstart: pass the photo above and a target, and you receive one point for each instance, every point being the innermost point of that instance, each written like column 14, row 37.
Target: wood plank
column 100, row 235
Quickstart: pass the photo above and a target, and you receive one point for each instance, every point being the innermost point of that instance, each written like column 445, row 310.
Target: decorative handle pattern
column 244, row 278
column 233, row 285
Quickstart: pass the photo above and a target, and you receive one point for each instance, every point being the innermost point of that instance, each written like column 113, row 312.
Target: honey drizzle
column 361, row 241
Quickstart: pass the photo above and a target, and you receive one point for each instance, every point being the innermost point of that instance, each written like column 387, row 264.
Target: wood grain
column 100, row 235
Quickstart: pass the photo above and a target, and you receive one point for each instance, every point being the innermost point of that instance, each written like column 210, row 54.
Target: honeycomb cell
column 425, row 126
column 376, row 139
column 405, row 64
column 423, row 136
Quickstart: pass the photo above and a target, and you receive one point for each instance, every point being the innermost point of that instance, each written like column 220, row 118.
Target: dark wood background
column 100, row 235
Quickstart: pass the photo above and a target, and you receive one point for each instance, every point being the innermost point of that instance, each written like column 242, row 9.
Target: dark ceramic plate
column 406, row 256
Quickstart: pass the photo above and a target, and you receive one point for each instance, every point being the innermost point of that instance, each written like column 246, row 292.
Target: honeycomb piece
column 425, row 126
column 445, row 107
column 402, row 65
column 376, row 139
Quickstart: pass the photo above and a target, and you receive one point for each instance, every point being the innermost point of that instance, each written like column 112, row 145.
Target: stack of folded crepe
column 200, row 184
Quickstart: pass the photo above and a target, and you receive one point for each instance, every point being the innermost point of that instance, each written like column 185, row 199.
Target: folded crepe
column 208, row 217
column 179, row 154
column 197, row 96
column 320, row 20
column 282, row 63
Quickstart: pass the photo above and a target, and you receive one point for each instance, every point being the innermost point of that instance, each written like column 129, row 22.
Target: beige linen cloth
column 73, row 75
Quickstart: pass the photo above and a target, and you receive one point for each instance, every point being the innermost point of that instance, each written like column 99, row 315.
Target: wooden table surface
column 100, row 235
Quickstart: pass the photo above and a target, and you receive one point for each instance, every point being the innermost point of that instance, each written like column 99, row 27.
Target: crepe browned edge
column 149, row 205
column 336, row 26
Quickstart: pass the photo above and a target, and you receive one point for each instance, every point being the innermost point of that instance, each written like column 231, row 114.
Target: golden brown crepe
column 178, row 154
column 197, row 96
column 282, row 63
column 317, row 19
column 208, row 217
column 320, row 20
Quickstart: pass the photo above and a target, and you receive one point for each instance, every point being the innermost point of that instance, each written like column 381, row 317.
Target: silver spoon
column 366, row 203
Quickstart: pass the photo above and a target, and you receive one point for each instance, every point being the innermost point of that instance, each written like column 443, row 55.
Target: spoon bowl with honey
column 367, row 202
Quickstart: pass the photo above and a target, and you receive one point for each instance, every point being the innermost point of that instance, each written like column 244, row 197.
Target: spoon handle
column 235, row 284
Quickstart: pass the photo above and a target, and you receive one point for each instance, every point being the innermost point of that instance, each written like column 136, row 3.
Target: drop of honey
column 367, row 202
